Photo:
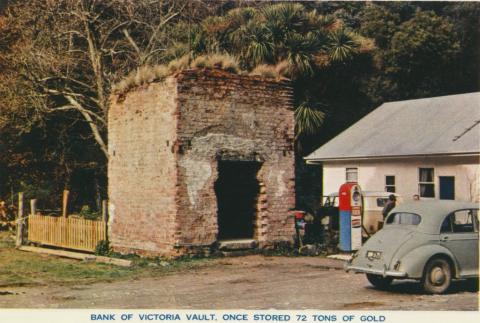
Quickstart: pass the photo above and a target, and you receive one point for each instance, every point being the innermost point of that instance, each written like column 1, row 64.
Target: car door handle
column 444, row 239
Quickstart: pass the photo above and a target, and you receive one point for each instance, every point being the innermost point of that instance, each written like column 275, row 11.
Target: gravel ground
column 250, row 282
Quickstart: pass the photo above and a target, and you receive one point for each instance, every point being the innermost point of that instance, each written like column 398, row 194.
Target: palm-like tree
column 277, row 33
column 307, row 120
column 341, row 46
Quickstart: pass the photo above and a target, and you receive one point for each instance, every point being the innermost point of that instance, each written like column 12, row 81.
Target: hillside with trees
column 60, row 59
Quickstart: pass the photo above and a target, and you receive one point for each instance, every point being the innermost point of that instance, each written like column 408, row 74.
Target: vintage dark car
column 431, row 241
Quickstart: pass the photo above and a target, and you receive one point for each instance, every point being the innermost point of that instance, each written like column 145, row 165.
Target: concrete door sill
column 237, row 244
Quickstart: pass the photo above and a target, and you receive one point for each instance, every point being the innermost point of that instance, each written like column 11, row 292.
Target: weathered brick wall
column 165, row 140
column 225, row 116
column 142, row 171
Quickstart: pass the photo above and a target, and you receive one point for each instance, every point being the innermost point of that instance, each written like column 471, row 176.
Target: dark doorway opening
column 237, row 190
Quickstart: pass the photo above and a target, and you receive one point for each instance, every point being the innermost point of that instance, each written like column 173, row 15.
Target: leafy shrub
column 88, row 213
column 103, row 248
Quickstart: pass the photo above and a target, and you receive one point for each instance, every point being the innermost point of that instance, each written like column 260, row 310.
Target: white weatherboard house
column 429, row 147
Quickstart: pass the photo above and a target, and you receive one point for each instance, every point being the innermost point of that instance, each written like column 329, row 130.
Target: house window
column 426, row 185
column 352, row 175
column 390, row 183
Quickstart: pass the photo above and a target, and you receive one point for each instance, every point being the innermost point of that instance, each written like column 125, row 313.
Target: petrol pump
column 299, row 225
column 350, row 212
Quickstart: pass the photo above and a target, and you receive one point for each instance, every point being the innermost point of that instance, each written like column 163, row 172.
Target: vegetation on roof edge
column 147, row 74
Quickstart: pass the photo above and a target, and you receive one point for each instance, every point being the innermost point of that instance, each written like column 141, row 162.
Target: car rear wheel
column 437, row 276
column 379, row 281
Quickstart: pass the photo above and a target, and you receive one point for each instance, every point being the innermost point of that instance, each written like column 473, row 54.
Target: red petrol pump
column 299, row 225
column 350, row 212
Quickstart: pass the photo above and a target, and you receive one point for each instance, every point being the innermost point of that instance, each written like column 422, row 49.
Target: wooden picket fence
column 72, row 233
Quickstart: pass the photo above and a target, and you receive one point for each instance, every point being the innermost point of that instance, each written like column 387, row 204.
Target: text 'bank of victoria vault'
column 201, row 157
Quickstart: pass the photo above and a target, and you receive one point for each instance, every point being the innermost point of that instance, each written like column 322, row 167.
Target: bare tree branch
column 93, row 126
column 132, row 42
column 70, row 52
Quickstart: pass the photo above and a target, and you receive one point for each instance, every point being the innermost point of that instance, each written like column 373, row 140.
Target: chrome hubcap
column 437, row 276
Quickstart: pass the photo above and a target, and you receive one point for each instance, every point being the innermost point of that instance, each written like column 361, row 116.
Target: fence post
column 20, row 221
column 104, row 211
column 65, row 203
column 33, row 206
column 105, row 218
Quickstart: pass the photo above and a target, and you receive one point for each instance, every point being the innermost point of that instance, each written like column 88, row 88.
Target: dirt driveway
column 251, row 282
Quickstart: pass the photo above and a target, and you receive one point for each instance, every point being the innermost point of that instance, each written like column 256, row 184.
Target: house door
column 237, row 190
column 447, row 187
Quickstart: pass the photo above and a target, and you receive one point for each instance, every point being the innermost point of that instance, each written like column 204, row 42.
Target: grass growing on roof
column 148, row 74
column 267, row 71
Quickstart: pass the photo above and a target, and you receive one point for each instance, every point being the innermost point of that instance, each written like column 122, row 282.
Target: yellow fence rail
column 72, row 233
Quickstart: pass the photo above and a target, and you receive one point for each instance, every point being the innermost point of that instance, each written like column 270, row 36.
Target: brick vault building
column 201, row 157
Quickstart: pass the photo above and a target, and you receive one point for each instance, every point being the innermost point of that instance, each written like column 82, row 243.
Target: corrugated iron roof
column 446, row 125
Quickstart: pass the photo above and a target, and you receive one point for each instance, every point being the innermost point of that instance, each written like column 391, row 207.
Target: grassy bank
column 27, row 268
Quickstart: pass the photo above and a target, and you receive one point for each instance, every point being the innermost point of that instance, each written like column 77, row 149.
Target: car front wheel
column 437, row 276
column 379, row 281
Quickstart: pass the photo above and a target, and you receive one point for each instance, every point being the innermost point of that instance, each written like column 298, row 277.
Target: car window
column 447, row 225
column 402, row 218
column 461, row 221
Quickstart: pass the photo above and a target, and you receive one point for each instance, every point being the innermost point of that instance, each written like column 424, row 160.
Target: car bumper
column 384, row 273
